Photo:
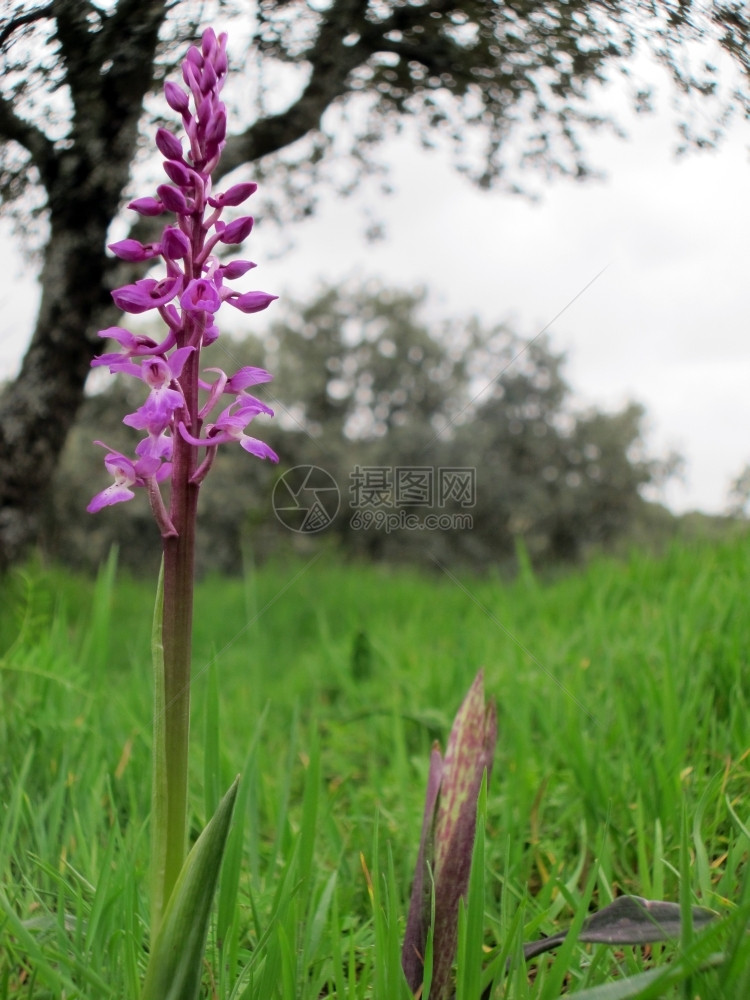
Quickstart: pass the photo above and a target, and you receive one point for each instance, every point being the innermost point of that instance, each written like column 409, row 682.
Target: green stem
column 177, row 637
column 172, row 702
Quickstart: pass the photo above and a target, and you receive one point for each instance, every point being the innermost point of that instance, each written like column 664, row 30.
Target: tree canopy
column 318, row 87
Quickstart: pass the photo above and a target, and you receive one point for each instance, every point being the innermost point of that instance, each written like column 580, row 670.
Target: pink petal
column 258, row 448
column 112, row 495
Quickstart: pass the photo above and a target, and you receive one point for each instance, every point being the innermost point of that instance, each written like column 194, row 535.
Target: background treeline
column 362, row 379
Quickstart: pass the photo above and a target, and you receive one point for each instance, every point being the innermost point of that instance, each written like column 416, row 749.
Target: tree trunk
column 39, row 407
column 107, row 73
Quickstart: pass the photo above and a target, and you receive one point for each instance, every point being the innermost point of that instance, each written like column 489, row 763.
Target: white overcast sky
column 667, row 323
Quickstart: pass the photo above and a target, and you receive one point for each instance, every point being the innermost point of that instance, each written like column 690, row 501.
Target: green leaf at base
column 174, row 968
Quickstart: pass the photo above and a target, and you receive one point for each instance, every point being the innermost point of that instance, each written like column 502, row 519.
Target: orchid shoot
column 180, row 434
column 447, row 840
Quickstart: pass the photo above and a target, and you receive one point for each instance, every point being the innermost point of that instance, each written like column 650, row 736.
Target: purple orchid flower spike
column 187, row 299
column 447, row 840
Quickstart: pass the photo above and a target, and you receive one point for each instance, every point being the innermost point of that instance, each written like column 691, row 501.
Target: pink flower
column 156, row 413
column 230, row 426
column 200, row 296
column 126, row 474
column 146, row 294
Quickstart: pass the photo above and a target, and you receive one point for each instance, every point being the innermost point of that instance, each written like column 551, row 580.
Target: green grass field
column 623, row 765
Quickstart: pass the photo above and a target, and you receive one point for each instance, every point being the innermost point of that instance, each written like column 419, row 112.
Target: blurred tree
column 360, row 363
column 365, row 381
column 738, row 500
column 77, row 74
column 562, row 480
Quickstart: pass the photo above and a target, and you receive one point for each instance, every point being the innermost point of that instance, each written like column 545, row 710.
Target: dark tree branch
column 331, row 63
column 78, row 44
column 29, row 17
column 13, row 128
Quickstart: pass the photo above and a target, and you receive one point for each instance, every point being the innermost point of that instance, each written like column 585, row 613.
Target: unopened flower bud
column 133, row 251
column 236, row 268
column 175, row 244
column 168, row 145
column 176, row 97
column 234, row 195
column 251, row 302
column 178, row 173
column 172, row 198
column 147, row 206
column 237, row 231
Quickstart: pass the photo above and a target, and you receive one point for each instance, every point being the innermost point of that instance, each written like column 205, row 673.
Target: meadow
column 622, row 766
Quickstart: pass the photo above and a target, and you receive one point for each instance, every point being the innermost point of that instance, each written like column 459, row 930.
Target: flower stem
column 187, row 300
column 177, row 623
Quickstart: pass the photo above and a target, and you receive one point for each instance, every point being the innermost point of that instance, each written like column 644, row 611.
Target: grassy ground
column 623, row 764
